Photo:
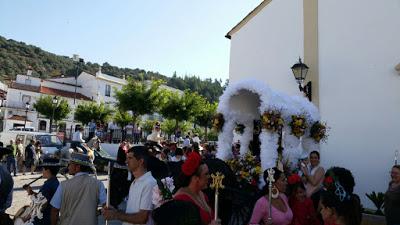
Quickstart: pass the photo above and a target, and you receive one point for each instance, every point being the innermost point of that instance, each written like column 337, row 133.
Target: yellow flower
column 258, row 170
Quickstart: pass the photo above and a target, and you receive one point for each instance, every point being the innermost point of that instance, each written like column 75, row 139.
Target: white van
column 32, row 129
column 50, row 142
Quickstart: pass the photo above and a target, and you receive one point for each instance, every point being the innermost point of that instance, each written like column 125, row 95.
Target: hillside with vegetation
column 16, row 57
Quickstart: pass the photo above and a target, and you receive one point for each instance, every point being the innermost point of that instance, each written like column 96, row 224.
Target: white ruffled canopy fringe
column 246, row 137
column 225, row 141
column 269, row 99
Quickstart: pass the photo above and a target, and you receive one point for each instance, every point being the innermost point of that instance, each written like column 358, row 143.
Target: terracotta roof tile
column 49, row 91
column 16, row 117
column 68, row 94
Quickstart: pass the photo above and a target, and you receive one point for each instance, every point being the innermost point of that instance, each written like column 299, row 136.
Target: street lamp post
column 55, row 101
column 27, row 105
column 300, row 72
column 78, row 63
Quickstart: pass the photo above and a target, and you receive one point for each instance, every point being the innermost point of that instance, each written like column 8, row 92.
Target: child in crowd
column 302, row 207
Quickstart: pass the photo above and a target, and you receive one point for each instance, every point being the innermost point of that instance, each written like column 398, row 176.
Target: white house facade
column 27, row 89
column 352, row 50
column 87, row 87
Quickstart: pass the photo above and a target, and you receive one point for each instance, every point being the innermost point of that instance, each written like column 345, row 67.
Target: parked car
column 51, row 143
column 31, row 129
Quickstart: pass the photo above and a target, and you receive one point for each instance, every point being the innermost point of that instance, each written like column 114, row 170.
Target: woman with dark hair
column 177, row 212
column 339, row 206
column 392, row 197
column 314, row 175
column 193, row 179
column 302, row 207
column 281, row 212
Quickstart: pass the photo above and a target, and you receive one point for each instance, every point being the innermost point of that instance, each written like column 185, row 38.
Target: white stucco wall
column 359, row 88
column 34, row 81
column 15, row 106
column 268, row 45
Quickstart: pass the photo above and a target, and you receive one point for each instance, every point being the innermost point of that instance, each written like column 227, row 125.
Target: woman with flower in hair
column 193, row 179
column 281, row 212
column 302, row 206
column 339, row 206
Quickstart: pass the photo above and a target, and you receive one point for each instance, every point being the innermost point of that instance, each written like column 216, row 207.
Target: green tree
column 85, row 112
column 183, row 107
column 204, row 118
column 168, row 126
column 122, row 118
column 147, row 126
column 140, row 97
column 44, row 105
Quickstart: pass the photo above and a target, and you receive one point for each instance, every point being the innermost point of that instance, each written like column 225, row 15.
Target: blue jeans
column 11, row 162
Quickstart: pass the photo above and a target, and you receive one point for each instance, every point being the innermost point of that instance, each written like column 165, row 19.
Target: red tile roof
column 58, row 92
column 49, row 91
column 16, row 117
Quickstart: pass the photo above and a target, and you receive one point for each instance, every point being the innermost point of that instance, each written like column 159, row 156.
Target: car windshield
column 48, row 140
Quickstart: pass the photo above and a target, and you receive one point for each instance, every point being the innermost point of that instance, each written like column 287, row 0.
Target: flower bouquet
column 239, row 128
column 162, row 192
column 298, row 125
column 247, row 169
column 318, row 131
column 218, row 122
column 272, row 120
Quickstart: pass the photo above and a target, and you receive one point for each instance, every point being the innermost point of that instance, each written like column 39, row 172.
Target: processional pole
column 217, row 184
column 108, row 186
column 270, row 180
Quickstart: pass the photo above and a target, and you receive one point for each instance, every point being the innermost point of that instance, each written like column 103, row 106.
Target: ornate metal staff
column 217, row 184
column 270, row 180
column 108, row 186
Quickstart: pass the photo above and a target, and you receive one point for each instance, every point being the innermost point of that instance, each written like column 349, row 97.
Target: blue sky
column 185, row 36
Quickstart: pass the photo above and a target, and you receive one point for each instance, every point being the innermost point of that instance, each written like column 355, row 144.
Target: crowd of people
column 23, row 158
column 306, row 195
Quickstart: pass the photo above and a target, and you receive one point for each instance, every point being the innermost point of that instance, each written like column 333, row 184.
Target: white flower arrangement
column 162, row 192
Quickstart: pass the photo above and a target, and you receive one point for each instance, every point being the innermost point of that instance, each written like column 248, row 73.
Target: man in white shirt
column 196, row 139
column 139, row 205
column 186, row 142
column 77, row 140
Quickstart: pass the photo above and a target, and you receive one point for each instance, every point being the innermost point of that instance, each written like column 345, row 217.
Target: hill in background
column 16, row 57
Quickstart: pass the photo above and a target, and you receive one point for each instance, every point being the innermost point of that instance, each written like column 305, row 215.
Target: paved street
column 20, row 197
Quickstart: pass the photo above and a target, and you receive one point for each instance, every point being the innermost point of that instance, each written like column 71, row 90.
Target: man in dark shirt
column 30, row 156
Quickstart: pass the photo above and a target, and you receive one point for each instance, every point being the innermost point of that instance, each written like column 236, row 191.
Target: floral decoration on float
column 162, row 192
column 319, row 132
column 247, row 169
column 272, row 120
column 249, row 102
column 298, row 125
column 218, row 122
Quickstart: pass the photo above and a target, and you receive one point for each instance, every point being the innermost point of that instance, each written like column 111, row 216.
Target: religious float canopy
column 279, row 122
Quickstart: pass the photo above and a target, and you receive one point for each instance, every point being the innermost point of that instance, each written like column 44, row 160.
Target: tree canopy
column 122, row 118
column 204, row 118
column 182, row 107
column 45, row 106
column 85, row 112
column 140, row 97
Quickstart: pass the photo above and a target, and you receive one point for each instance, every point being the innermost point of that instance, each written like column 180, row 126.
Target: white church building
column 352, row 50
